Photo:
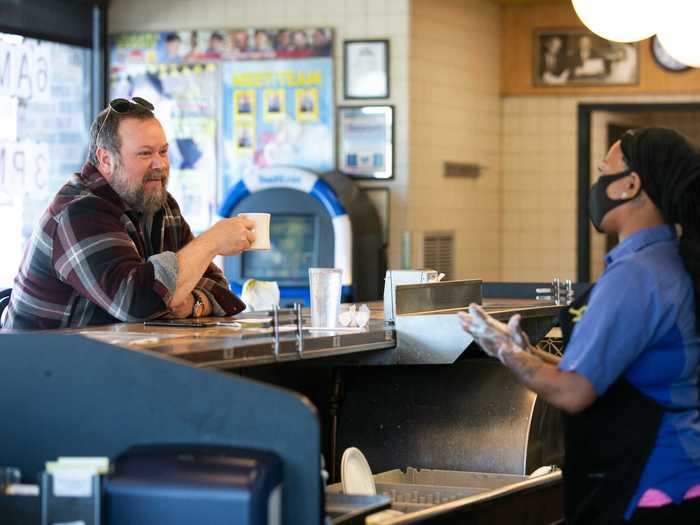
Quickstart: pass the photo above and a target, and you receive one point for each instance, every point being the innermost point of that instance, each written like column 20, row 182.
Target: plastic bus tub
column 417, row 489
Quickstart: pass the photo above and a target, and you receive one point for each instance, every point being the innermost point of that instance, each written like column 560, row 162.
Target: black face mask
column 599, row 203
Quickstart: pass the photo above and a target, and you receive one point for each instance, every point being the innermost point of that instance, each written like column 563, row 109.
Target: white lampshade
column 679, row 33
column 620, row 20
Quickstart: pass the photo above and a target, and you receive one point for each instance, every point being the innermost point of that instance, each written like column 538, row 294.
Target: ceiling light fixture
column 678, row 31
column 621, row 20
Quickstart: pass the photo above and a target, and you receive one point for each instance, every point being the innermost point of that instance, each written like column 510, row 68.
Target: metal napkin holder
column 436, row 297
column 396, row 278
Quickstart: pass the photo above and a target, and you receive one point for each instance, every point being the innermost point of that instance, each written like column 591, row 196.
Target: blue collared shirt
column 640, row 324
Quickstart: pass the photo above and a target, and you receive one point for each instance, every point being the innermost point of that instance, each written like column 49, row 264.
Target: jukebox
column 316, row 221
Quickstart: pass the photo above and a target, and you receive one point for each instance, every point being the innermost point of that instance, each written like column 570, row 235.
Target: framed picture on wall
column 366, row 141
column 568, row 57
column 366, row 68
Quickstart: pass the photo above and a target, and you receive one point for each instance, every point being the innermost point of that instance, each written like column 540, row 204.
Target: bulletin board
column 185, row 100
column 235, row 99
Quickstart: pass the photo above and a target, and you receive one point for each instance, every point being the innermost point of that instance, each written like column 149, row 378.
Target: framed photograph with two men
column 568, row 57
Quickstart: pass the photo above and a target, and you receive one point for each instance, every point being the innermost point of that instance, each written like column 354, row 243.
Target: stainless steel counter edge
column 503, row 314
column 261, row 351
column 307, row 354
column 434, row 337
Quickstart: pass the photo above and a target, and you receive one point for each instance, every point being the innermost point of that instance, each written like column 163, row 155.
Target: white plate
column 355, row 474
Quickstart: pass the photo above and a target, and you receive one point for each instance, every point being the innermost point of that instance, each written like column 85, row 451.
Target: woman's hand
column 568, row 391
column 493, row 336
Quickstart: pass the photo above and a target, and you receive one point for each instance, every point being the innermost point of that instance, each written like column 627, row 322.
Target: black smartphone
column 183, row 323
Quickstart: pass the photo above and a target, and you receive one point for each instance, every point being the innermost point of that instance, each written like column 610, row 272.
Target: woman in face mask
column 628, row 381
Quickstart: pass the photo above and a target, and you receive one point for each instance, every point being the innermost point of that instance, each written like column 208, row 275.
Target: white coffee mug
column 261, row 230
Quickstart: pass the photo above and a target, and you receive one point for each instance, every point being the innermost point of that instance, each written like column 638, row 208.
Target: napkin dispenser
column 184, row 484
column 396, row 278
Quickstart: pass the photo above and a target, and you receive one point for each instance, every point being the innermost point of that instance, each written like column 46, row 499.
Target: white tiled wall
column 517, row 221
column 539, row 183
column 351, row 19
column 539, row 188
column 455, row 116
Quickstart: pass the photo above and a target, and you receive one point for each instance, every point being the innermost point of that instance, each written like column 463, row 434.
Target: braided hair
column 669, row 168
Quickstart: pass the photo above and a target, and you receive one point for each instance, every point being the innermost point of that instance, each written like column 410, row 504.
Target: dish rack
column 418, row 489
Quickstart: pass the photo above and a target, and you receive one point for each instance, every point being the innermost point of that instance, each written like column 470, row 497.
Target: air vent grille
column 438, row 252
column 460, row 169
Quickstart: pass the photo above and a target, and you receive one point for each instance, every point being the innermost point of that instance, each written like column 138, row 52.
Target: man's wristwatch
column 198, row 305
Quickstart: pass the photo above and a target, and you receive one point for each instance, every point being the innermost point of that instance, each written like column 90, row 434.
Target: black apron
column 607, row 445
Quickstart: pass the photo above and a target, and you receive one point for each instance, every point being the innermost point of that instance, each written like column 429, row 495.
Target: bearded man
column 112, row 245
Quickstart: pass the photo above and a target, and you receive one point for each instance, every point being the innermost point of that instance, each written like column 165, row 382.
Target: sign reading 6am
column 25, row 70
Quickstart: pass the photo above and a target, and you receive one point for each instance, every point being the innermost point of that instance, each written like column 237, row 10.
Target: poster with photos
column 291, row 120
column 273, row 94
column 215, row 45
column 184, row 97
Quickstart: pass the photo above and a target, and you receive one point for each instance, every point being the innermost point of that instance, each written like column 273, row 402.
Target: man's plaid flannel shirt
column 89, row 262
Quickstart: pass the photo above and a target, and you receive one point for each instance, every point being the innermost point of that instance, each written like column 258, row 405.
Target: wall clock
column 665, row 60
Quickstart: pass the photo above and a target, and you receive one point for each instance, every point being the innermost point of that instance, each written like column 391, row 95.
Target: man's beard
column 135, row 195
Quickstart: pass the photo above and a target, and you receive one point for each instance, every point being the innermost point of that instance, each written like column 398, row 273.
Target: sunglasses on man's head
column 123, row 105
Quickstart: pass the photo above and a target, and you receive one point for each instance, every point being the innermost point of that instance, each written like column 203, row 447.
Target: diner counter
column 228, row 346
column 451, row 411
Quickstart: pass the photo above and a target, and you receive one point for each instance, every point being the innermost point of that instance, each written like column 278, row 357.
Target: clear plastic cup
column 325, row 286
